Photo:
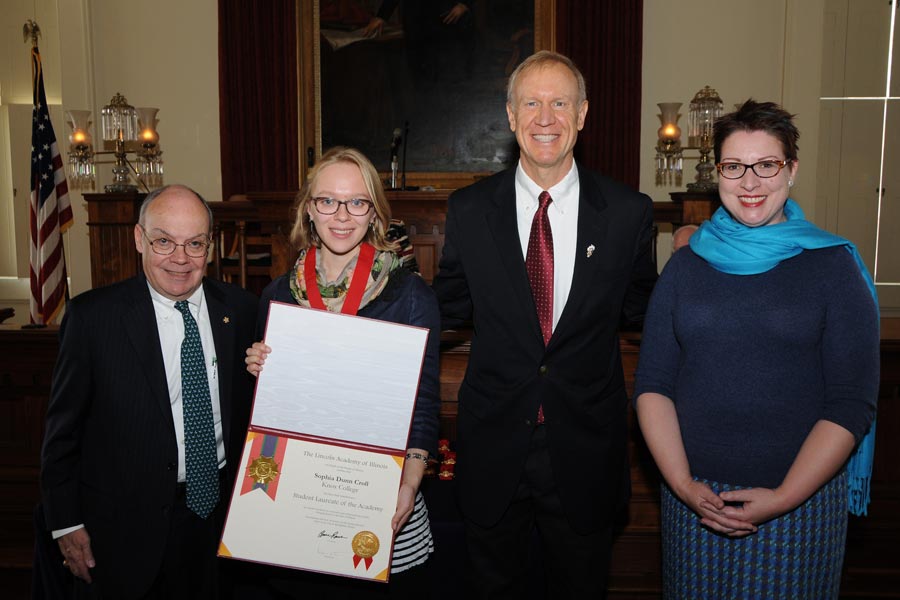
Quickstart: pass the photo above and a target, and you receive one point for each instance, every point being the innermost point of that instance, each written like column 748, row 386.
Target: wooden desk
column 25, row 373
column 262, row 221
column 696, row 207
column 423, row 212
column 269, row 217
column 111, row 220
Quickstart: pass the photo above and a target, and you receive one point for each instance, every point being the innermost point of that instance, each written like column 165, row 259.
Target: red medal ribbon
column 364, row 263
column 270, row 446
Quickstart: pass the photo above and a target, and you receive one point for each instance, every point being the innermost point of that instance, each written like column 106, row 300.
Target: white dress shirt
column 170, row 324
column 563, row 215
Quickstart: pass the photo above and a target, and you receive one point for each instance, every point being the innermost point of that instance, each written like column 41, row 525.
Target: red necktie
column 539, row 264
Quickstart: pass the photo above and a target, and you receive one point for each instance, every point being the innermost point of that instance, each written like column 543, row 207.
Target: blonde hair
column 303, row 234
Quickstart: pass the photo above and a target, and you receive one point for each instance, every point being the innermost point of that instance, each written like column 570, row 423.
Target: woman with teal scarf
column 757, row 383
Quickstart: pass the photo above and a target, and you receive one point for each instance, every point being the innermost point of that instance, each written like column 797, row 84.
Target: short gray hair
column 541, row 59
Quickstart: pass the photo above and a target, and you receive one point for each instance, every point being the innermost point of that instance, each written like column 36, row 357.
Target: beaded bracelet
column 417, row 456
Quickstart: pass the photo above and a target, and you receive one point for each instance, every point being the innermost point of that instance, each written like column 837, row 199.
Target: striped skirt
column 414, row 542
column 796, row 556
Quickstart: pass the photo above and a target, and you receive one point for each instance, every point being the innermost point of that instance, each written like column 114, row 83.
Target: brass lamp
column 81, row 152
column 668, row 148
column 704, row 109
column 125, row 130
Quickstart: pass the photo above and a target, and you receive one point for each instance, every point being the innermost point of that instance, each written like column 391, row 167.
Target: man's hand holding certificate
column 318, row 482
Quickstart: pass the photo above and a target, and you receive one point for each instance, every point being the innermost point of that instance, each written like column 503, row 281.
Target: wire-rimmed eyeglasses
column 356, row 207
column 764, row 169
column 195, row 248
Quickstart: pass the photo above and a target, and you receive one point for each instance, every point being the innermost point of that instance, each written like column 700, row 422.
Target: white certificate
column 327, row 509
column 318, row 481
column 338, row 377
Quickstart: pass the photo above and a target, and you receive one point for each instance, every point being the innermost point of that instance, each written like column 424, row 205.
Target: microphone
column 395, row 145
column 396, row 141
column 403, row 169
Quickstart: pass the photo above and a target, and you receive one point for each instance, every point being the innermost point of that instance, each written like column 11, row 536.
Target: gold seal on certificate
column 365, row 545
column 263, row 469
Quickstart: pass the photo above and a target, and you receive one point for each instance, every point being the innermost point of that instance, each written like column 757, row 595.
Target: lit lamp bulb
column 149, row 136
column 668, row 145
column 147, row 119
column 80, row 137
column 669, row 132
column 80, row 120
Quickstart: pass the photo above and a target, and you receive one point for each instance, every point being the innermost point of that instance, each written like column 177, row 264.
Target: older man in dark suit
column 148, row 410
column 545, row 259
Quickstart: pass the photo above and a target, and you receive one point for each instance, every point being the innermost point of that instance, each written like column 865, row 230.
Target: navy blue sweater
column 753, row 361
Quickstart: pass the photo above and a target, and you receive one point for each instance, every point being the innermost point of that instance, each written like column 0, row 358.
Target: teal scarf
column 734, row 248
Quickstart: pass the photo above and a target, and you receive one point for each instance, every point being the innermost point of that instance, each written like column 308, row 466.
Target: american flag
column 51, row 213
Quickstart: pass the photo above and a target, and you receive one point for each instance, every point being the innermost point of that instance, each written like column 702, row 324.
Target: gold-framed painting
column 421, row 82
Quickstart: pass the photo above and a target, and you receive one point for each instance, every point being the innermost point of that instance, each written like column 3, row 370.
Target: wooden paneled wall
column 25, row 372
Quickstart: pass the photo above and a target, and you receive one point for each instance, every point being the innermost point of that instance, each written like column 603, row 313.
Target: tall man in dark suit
column 546, row 279
column 149, row 407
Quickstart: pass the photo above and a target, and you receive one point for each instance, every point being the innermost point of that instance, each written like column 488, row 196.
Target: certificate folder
column 318, row 480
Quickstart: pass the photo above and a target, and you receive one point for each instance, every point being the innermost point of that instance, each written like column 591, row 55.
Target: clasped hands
column 735, row 513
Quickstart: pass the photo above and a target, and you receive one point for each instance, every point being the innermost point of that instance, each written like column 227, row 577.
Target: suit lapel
column 505, row 230
column 139, row 324
column 221, row 320
column 592, row 231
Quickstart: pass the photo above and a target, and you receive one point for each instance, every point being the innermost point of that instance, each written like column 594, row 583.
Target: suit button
column 528, row 422
column 544, row 370
column 170, row 467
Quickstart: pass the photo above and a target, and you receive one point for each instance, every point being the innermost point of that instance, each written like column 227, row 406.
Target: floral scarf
column 334, row 292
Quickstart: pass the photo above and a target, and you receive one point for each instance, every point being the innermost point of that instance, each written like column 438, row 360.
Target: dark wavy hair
column 758, row 116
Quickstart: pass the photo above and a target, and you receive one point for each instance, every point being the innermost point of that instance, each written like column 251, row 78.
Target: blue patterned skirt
column 796, row 556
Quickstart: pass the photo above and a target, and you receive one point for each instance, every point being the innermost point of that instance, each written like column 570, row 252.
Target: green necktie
column 201, row 461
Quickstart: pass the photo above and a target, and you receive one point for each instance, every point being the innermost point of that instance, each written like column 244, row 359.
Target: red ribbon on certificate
column 265, row 464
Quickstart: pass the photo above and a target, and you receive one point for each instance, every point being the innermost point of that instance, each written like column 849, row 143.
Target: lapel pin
column 590, row 250
column 226, row 320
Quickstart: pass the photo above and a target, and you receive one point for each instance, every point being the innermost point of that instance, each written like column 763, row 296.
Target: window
column 859, row 133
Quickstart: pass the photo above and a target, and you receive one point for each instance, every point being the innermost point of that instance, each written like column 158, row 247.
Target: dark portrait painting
column 433, row 71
